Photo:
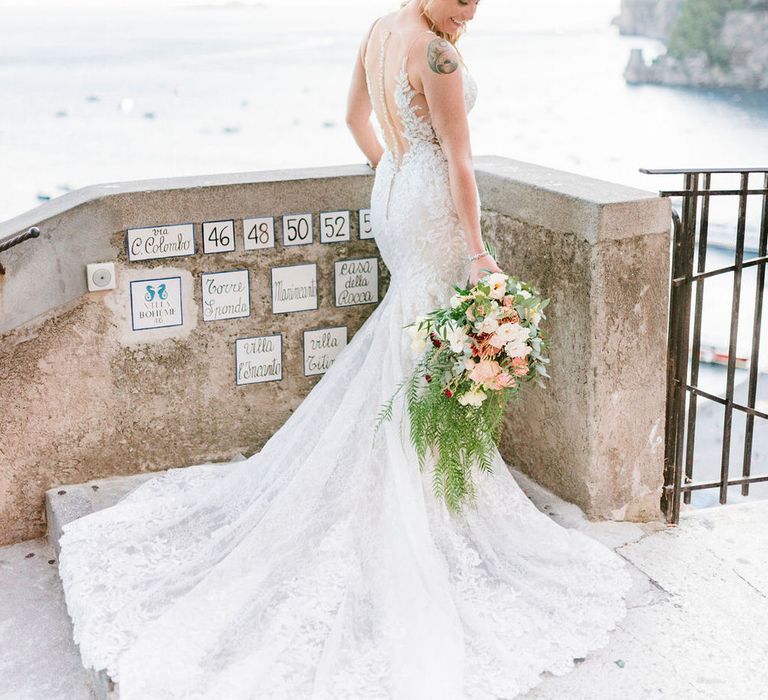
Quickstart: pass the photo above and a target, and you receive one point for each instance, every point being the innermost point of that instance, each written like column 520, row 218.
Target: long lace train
column 323, row 567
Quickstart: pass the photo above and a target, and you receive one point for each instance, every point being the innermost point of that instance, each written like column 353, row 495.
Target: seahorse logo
column 161, row 292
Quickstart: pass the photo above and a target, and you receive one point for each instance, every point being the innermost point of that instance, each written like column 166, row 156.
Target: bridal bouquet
column 474, row 356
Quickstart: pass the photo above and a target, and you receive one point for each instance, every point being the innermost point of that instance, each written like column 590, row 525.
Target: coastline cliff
column 710, row 43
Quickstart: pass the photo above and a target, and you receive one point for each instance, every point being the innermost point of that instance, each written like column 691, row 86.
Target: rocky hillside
column 651, row 18
column 709, row 44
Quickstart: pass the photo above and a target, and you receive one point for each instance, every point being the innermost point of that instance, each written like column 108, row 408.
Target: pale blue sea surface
column 104, row 93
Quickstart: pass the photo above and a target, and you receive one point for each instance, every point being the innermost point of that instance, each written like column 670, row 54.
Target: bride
column 323, row 566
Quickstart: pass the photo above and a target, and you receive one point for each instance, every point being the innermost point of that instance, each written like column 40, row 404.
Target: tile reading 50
column 297, row 229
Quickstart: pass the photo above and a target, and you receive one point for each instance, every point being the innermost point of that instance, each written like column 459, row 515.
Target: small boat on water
column 713, row 355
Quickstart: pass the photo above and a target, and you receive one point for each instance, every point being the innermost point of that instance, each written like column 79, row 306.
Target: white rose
column 498, row 284
column 513, row 332
column 456, row 337
column 419, row 336
column 488, row 325
column 474, row 397
column 418, row 345
column 517, row 348
column 456, row 300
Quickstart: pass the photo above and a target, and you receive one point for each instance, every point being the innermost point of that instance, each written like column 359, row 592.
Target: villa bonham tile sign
column 156, row 303
column 227, row 295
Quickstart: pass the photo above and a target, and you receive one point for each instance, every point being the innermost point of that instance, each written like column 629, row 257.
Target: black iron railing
column 33, row 232
column 684, row 345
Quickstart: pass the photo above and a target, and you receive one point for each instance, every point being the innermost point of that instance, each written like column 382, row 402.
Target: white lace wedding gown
column 323, row 566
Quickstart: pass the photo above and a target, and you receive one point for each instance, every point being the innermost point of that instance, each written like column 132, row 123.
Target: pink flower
column 504, row 380
column 485, row 373
column 520, row 366
column 507, row 300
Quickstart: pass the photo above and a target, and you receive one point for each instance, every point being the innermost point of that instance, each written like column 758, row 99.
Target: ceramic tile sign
column 294, row 288
column 321, row 346
column 259, row 233
column 259, row 359
column 225, row 295
column 297, row 229
column 218, row 236
column 156, row 303
column 334, row 226
column 157, row 242
column 356, row 281
column 364, row 224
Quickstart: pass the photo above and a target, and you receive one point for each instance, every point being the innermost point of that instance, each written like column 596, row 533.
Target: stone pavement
column 697, row 624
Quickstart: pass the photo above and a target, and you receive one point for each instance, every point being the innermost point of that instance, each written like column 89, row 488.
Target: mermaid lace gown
column 323, row 566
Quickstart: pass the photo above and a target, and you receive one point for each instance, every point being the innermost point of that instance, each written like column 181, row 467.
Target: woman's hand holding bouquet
column 474, row 356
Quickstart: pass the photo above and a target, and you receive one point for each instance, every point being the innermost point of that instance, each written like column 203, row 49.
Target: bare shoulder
column 442, row 57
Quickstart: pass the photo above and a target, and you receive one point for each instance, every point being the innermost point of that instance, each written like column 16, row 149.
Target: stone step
column 66, row 503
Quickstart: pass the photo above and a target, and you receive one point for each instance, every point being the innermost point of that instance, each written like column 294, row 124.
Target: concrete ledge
column 91, row 398
column 564, row 202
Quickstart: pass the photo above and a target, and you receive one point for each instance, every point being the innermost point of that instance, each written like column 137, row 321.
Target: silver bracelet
column 474, row 257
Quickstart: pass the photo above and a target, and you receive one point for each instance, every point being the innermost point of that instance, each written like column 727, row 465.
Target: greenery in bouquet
column 474, row 356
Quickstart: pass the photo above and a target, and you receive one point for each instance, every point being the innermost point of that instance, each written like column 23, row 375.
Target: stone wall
column 87, row 397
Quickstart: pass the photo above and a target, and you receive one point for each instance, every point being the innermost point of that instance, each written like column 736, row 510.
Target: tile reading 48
column 259, row 233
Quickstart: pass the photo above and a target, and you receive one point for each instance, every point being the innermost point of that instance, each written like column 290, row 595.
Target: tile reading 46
column 218, row 236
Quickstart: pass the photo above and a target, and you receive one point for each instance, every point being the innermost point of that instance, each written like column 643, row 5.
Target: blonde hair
column 424, row 6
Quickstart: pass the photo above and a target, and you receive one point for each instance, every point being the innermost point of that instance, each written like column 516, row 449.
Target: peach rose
column 504, row 380
column 485, row 373
column 520, row 366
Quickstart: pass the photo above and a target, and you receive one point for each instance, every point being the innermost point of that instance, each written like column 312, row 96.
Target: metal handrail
column 33, row 232
column 688, row 273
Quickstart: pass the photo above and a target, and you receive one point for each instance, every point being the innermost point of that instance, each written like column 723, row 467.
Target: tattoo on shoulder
column 442, row 57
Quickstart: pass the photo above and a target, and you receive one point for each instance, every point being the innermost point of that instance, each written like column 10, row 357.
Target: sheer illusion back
column 401, row 111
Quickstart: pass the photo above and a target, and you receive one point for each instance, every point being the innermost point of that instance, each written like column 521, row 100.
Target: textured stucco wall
column 84, row 397
column 596, row 433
